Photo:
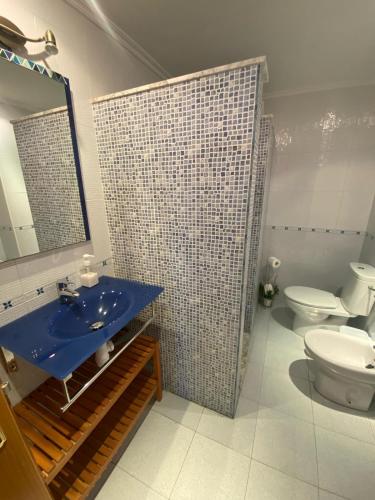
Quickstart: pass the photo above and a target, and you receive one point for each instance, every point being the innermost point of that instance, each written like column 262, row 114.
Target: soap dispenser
column 89, row 278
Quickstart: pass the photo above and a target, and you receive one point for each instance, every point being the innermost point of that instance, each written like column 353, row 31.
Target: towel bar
column 71, row 399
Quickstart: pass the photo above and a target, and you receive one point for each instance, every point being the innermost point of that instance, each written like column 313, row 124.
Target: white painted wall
column 95, row 64
column 368, row 249
column 323, row 177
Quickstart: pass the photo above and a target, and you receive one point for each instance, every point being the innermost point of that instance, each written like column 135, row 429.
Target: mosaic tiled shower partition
column 176, row 162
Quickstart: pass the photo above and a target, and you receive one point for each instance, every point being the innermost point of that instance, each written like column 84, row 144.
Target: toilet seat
column 311, row 297
column 314, row 301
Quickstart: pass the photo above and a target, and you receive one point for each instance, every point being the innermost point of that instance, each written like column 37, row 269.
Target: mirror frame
column 27, row 64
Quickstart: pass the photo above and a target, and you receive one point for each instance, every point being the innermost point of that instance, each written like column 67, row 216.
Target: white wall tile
column 99, row 228
column 323, row 176
column 324, row 209
column 289, row 208
column 354, row 210
column 313, row 259
column 331, row 170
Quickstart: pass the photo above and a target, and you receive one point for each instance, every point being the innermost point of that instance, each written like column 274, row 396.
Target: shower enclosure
column 179, row 160
column 261, row 179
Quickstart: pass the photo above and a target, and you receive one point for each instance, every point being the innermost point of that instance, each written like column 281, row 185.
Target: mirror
column 42, row 204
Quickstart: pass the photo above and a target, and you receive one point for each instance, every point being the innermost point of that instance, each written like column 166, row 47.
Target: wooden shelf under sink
column 72, row 449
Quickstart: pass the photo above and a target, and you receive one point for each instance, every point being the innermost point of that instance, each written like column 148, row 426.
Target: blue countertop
column 51, row 337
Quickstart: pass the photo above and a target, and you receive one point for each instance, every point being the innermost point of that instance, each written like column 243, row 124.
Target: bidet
column 344, row 367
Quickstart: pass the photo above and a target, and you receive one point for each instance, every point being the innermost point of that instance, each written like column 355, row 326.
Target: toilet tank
column 358, row 294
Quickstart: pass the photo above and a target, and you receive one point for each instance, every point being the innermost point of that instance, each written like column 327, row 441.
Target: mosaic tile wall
column 261, row 178
column 45, row 151
column 176, row 167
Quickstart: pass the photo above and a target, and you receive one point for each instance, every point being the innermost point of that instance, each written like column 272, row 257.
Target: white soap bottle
column 88, row 278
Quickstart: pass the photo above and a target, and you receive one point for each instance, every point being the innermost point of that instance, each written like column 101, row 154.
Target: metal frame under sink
column 71, row 399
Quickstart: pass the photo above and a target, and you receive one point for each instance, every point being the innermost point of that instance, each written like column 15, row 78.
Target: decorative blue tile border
column 319, row 230
column 47, row 289
column 33, row 66
column 20, row 228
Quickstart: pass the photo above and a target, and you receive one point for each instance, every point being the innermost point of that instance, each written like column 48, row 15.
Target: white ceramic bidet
column 345, row 367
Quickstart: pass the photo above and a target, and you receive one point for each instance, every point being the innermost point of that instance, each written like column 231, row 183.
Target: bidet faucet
column 65, row 292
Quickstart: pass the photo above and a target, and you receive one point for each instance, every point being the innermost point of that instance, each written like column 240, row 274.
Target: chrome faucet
column 65, row 292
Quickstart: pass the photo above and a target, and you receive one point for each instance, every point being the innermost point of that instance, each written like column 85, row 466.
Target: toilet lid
column 312, row 297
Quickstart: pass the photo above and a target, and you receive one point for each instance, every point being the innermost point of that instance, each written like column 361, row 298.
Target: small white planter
column 267, row 302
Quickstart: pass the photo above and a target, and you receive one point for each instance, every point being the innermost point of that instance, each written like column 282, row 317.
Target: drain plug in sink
column 97, row 325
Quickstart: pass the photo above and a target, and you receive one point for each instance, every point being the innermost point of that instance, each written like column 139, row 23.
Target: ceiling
column 309, row 44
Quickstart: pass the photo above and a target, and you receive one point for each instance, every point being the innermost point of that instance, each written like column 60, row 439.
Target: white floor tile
column 346, row 465
column 291, row 396
column 339, row 419
column 236, row 433
column 325, row 495
column 280, row 330
column 286, row 359
column 156, row 454
column 252, row 382
column 266, row 483
column 120, row 482
column 257, row 350
column 211, row 471
column 261, row 321
column 179, row 409
column 287, row 444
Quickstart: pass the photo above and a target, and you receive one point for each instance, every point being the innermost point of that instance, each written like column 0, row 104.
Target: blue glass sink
column 59, row 337
column 85, row 316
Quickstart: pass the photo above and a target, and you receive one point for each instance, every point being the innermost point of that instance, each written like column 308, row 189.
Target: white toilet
column 314, row 308
column 345, row 367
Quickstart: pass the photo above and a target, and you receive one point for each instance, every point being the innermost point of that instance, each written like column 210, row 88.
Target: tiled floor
column 286, row 442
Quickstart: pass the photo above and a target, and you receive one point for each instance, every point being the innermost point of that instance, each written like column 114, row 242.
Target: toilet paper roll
column 274, row 262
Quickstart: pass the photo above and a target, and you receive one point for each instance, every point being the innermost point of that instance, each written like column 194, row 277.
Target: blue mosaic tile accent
column 176, row 165
column 39, row 291
column 7, row 304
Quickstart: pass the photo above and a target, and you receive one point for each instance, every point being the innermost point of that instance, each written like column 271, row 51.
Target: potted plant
column 267, row 292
